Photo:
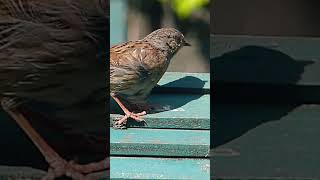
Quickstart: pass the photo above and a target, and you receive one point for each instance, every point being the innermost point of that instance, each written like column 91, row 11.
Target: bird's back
column 135, row 68
column 50, row 50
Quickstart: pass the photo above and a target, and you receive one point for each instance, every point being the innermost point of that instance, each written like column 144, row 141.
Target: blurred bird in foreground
column 137, row 66
column 55, row 52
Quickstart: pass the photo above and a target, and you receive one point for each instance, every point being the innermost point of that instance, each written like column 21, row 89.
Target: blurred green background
column 134, row 19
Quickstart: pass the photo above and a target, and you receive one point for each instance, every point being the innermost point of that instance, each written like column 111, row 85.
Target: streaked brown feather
column 45, row 44
column 135, row 68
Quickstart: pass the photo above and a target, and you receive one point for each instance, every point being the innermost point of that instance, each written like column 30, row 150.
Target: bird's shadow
column 172, row 95
column 252, row 87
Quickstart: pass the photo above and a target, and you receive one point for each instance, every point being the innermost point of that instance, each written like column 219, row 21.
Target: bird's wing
column 131, row 64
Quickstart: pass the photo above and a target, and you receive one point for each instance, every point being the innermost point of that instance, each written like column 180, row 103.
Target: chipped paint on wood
column 160, row 142
column 189, row 112
column 159, row 168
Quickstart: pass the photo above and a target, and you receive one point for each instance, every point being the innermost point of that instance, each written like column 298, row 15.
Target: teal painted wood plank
column 259, row 59
column 188, row 111
column 184, row 83
column 159, row 168
column 160, row 142
column 283, row 141
column 118, row 21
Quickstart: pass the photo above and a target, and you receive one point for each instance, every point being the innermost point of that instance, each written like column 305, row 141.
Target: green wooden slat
column 184, row 83
column 277, row 141
column 259, row 59
column 160, row 142
column 159, row 168
column 118, row 21
column 188, row 111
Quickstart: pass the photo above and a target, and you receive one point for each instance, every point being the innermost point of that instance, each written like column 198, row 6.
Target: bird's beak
column 187, row 44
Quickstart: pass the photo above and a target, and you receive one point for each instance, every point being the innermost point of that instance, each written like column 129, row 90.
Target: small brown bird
column 137, row 66
column 55, row 52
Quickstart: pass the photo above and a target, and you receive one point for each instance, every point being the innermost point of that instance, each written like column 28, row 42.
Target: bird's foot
column 11, row 103
column 60, row 167
column 120, row 123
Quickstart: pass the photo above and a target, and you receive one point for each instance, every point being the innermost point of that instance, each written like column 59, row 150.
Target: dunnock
column 54, row 52
column 137, row 66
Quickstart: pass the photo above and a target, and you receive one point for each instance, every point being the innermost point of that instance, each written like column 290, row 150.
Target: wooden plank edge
column 159, row 168
column 161, row 142
column 166, row 123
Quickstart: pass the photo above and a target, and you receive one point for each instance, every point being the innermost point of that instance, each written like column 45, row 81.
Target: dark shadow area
column 234, row 120
column 16, row 148
column 246, row 81
column 77, row 132
column 178, row 86
column 263, row 17
column 154, row 16
column 201, row 30
column 255, row 64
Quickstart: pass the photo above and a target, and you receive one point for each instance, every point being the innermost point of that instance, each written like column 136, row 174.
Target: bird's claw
column 117, row 125
column 121, row 123
column 10, row 103
column 60, row 167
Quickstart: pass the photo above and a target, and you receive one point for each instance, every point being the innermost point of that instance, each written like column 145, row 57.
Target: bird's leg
column 58, row 166
column 128, row 114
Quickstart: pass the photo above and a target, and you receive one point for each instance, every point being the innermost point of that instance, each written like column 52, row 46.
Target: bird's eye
column 172, row 44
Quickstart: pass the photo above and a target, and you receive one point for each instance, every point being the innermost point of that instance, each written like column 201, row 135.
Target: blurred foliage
column 184, row 8
column 193, row 21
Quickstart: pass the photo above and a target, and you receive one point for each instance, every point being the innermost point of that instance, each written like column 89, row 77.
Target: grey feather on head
column 167, row 39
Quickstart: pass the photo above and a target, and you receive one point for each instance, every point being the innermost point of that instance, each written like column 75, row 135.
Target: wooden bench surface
column 281, row 68
column 185, row 94
column 159, row 168
column 178, row 111
column 266, row 141
column 160, row 142
column 260, row 59
column 266, row 108
column 175, row 142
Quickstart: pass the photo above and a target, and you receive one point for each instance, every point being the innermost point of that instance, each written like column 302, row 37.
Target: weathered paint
column 179, row 111
column 160, row 142
column 159, row 168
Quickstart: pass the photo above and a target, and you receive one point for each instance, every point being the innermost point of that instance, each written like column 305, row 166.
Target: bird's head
column 167, row 39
